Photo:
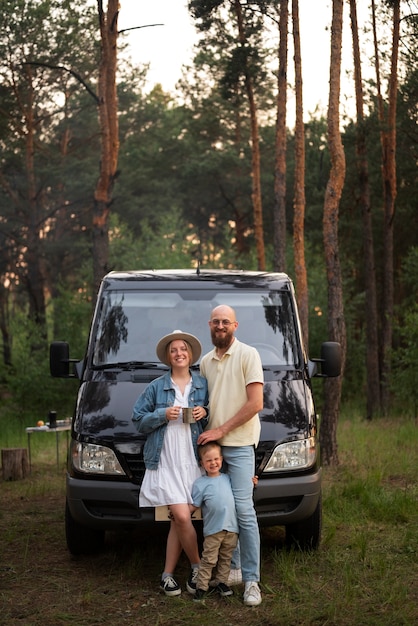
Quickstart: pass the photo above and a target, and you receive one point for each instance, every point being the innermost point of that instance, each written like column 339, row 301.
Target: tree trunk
column 14, row 462
column 240, row 217
column 299, row 198
column 388, row 141
column 5, row 325
column 109, row 132
column 372, row 340
column 33, row 277
column 336, row 322
column 255, row 153
column 279, row 215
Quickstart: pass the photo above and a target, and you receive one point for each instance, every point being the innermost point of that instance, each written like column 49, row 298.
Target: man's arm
column 253, row 405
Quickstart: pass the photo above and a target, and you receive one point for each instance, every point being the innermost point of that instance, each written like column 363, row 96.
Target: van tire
column 81, row 539
column 306, row 535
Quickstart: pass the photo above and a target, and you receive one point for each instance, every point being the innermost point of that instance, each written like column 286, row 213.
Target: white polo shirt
column 228, row 378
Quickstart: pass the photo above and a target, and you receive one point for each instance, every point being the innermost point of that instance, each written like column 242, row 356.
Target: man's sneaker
column 170, row 587
column 235, row 577
column 252, row 595
column 199, row 595
column 224, row 590
column 191, row 583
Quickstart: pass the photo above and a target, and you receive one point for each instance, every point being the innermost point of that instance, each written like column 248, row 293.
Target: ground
column 41, row 583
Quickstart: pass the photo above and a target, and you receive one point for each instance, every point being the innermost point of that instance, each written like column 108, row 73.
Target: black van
column 134, row 310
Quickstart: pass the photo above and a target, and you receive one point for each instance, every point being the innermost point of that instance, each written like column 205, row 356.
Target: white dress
column 171, row 482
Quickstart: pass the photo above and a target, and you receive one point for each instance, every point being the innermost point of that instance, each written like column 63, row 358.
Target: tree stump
column 15, row 463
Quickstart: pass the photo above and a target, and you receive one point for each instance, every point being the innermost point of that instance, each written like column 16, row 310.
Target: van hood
column 104, row 411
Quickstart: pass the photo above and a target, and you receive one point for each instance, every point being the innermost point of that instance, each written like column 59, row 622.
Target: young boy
column 213, row 494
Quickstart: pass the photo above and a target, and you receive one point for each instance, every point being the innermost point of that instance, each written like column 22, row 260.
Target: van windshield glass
column 131, row 323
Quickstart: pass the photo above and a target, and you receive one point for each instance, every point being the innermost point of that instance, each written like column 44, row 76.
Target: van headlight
column 93, row 459
column 293, row 455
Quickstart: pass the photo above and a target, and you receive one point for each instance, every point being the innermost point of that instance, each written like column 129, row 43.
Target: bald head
column 223, row 311
column 223, row 323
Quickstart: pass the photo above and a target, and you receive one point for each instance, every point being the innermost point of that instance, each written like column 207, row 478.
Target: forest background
column 92, row 181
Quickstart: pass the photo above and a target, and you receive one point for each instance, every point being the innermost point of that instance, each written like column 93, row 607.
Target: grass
column 364, row 572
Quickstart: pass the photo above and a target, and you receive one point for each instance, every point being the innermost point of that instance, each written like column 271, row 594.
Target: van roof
column 275, row 280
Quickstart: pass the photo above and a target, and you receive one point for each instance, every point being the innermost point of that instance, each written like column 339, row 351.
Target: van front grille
column 136, row 466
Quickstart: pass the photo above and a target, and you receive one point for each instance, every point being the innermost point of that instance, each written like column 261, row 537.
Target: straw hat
column 178, row 334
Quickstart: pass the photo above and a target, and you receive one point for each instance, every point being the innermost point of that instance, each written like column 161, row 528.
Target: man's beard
column 221, row 341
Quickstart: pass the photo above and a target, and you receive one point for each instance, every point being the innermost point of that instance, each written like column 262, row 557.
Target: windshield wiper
column 126, row 365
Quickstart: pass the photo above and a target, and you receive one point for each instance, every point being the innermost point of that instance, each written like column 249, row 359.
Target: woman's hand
column 172, row 413
column 199, row 412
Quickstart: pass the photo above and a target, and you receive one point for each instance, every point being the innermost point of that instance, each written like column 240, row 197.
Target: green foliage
column 27, row 378
column 70, row 314
column 171, row 242
column 405, row 364
column 404, row 383
column 31, row 390
column 167, row 243
column 183, row 189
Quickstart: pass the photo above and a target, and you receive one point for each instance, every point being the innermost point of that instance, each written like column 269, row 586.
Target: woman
column 170, row 450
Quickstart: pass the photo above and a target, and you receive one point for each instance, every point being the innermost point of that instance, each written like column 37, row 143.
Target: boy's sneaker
column 235, row 577
column 224, row 590
column 199, row 595
column 191, row 583
column 170, row 587
column 252, row 594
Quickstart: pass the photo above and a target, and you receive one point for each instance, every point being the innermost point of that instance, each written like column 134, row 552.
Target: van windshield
column 130, row 323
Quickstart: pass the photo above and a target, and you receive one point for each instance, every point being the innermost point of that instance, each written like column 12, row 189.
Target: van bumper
column 287, row 500
column 106, row 504
column 112, row 505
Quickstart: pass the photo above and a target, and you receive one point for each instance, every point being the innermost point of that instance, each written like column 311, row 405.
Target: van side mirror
column 330, row 359
column 59, row 359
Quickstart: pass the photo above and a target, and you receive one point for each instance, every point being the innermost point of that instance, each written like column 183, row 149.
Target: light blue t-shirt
column 215, row 497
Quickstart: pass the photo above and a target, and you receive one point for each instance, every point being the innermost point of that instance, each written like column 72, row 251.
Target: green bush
column 405, row 364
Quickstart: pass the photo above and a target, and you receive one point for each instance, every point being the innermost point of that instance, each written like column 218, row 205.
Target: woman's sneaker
column 170, row 587
column 191, row 583
column 235, row 577
column 224, row 590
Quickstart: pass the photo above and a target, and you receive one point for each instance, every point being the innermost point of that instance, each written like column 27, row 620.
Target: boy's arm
column 196, row 497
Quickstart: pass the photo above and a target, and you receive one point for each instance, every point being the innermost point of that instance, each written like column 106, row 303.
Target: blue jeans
column 239, row 463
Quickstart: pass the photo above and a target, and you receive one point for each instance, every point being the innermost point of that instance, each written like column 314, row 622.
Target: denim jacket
column 150, row 419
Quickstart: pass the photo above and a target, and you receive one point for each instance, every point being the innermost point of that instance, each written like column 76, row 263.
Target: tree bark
column 109, row 134
column 336, row 322
column 5, row 326
column 255, row 153
column 33, row 277
column 373, row 405
column 388, row 143
column 240, row 217
column 279, row 215
column 299, row 192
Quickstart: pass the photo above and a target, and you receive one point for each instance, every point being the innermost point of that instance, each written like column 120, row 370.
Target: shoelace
column 252, row 590
column 169, row 582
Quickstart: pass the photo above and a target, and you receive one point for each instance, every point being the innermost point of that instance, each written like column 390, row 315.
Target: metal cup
column 188, row 415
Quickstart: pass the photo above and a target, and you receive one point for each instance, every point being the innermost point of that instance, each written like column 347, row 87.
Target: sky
column 169, row 46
